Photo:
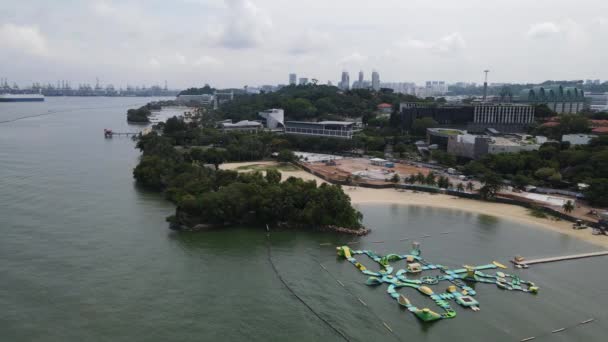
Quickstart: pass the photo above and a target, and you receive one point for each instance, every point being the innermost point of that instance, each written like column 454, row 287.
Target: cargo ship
column 21, row 97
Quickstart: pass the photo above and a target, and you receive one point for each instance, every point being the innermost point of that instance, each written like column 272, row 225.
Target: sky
column 232, row 43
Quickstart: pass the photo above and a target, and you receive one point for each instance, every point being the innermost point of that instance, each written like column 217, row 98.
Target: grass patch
column 537, row 212
column 264, row 167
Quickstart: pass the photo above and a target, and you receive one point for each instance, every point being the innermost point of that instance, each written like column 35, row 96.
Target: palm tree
column 470, row 187
column 430, row 179
column 460, row 187
column 568, row 206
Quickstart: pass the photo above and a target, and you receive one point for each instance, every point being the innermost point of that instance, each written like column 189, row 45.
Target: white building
column 204, row 99
column 244, row 125
column 273, row 118
column 345, row 81
column 330, row 129
column 375, row 80
column 303, row 81
column 578, row 139
column 503, row 113
column 599, row 101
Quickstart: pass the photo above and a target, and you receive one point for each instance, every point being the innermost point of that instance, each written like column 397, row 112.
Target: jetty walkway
column 560, row 258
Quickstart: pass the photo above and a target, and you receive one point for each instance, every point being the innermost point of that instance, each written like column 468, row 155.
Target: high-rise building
column 303, row 81
column 345, row 81
column 292, row 79
column 375, row 81
column 361, row 77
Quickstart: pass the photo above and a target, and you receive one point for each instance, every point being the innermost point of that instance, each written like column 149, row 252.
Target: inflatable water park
column 412, row 276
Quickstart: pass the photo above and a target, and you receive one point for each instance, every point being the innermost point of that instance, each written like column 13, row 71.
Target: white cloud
column 153, row 62
column 309, row 41
column 245, row 25
column 450, row 43
column 543, row 30
column 354, row 58
column 23, row 39
column 103, row 8
column 180, row 59
column 208, row 61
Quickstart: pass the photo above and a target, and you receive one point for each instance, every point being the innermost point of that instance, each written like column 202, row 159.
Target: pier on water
column 561, row 258
column 108, row 133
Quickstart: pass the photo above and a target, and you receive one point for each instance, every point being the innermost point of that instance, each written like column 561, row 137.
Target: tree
column 300, row 108
column 460, row 187
column 568, row 206
column 443, row 182
column 420, row 125
column 543, row 111
column 430, row 179
column 273, row 176
column 395, row 178
column 470, row 187
column 420, row 178
column 596, row 192
column 214, row 156
column 492, row 183
column 286, row 156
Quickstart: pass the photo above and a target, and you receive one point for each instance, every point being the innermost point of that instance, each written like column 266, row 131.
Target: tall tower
column 375, row 80
column 485, row 85
column 345, row 82
column 292, row 79
column 360, row 85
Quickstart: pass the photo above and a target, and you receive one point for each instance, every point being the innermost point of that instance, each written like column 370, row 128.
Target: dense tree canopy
column 226, row 197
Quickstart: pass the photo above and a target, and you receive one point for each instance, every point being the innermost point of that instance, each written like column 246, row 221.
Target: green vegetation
column 198, row 91
column 139, row 115
column 266, row 167
column 312, row 103
column 220, row 197
column 553, row 165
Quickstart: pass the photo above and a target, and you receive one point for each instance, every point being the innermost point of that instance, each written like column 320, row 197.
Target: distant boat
column 21, row 97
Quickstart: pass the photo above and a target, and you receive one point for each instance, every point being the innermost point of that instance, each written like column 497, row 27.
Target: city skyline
column 259, row 41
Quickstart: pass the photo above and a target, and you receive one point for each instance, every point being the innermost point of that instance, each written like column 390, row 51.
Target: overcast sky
column 253, row 42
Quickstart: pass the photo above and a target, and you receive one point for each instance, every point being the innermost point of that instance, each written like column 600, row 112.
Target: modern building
column 597, row 101
column 331, row 129
column 375, row 81
column 303, row 81
column 293, row 79
column 345, row 81
column 504, row 117
column 273, row 118
column 245, row 125
column 476, row 146
column 385, row 108
column 204, row 99
column 569, row 100
column 440, row 136
column 457, row 116
column 578, row 139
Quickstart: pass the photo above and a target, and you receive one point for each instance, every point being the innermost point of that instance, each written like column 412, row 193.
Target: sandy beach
column 515, row 213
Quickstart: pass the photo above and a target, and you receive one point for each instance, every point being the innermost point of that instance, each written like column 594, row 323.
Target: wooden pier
column 108, row 133
column 560, row 258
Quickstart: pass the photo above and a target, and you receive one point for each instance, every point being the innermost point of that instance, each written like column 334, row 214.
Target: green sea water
column 87, row 256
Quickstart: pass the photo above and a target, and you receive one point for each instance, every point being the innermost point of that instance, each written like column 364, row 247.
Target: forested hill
column 312, row 103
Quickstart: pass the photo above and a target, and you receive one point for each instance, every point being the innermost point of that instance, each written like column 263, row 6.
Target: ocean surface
column 85, row 255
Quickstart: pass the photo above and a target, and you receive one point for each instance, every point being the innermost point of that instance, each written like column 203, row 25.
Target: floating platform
column 559, row 258
column 410, row 273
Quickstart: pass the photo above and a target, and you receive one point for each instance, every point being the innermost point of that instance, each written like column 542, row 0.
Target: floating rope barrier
column 360, row 301
column 558, row 330
column 403, row 239
column 276, row 271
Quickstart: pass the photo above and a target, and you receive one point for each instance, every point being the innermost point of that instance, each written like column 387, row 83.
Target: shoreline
column 360, row 195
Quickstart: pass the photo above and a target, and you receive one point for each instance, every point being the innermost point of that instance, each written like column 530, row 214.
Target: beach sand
column 515, row 213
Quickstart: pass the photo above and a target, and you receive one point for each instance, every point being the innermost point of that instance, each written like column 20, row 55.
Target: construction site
column 360, row 170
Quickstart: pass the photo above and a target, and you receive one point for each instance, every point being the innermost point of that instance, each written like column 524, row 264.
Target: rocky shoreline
column 184, row 223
